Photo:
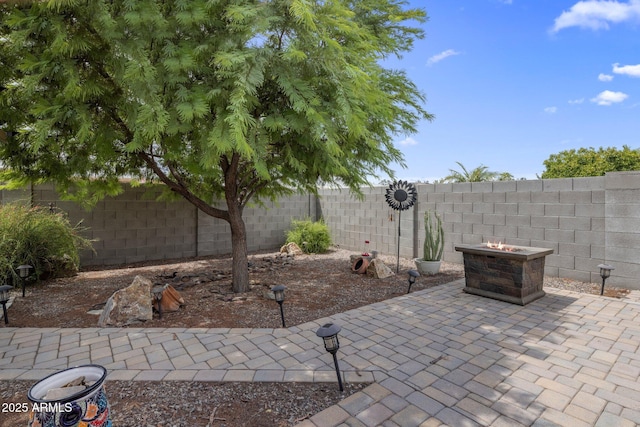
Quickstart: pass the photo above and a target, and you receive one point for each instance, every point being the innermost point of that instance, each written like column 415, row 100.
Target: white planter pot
column 88, row 407
column 427, row 267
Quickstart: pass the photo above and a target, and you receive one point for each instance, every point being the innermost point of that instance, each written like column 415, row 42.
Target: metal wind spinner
column 400, row 196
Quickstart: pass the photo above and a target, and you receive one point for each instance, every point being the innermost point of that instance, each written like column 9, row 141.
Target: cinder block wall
column 586, row 221
column 622, row 227
column 130, row 227
column 133, row 226
column 352, row 221
column 266, row 226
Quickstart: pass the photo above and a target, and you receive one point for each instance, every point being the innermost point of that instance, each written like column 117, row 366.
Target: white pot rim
column 95, row 373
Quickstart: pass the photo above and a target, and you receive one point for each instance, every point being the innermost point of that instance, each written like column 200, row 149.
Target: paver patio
column 437, row 356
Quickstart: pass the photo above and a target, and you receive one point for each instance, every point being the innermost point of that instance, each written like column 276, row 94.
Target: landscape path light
column 413, row 274
column 4, row 299
column 329, row 333
column 605, row 272
column 278, row 294
column 23, row 272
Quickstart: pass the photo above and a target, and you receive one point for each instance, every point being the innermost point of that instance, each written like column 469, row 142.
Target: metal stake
column 281, row 313
column 4, row 311
column 335, row 362
column 398, row 257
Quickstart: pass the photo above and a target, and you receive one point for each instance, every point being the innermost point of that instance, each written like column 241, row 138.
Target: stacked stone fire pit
column 513, row 274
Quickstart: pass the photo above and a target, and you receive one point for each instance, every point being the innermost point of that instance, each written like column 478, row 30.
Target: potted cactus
column 433, row 245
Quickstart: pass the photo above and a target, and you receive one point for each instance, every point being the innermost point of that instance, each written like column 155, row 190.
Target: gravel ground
column 196, row 404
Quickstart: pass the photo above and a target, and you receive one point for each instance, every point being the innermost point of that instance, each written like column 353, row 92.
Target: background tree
column 479, row 174
column 228, row 100
column 591, row 162
column 505, row 176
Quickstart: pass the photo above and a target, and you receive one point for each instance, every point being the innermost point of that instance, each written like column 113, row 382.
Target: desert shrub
column 312, row 237
column 44, row 240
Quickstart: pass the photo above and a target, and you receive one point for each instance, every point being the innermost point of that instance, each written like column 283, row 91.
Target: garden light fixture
column 413, row 274
column 278, row 293
column 24, row 271
column 157, row 292
column 4, row 299
column 329, row 333
column 605, row 272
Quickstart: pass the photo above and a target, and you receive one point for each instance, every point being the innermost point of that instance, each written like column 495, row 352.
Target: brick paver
column 437, row 356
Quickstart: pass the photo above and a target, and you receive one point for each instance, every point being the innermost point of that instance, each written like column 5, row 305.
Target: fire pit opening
column 508, row 273
column 501, row 247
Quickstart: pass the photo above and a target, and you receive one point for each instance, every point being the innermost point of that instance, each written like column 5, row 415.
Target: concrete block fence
column 133, row 227
column 586, row 221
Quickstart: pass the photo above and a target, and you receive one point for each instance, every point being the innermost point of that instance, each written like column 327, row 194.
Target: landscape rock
column 128, row 305
column 379, row 269
column 291, row 248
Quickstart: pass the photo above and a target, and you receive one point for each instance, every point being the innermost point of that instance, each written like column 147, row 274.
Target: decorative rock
column 63, row 392
column 291, row 248
column 269, row 295
column 379, row 269
column 129, row 305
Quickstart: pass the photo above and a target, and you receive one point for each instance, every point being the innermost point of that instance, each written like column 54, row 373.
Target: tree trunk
column 239, row 268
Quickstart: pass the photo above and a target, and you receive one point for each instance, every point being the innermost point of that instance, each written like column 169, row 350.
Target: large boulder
column 129, row 305
column 379, row 269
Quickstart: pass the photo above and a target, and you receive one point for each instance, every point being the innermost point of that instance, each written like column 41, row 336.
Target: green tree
column 232, row 100
column 505, row 176
column 591, row 162
column 479, row 174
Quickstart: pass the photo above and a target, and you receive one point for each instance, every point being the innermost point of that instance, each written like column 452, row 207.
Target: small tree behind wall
column 228, row 99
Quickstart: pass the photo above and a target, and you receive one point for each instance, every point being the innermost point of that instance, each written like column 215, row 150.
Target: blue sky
column 511, row 82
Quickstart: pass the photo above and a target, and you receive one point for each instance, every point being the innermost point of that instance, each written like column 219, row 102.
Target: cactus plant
column 433, row 237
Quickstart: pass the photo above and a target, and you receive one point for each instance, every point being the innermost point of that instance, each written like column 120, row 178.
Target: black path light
column 278, row 293
column 23, row 272
column 605, row 272
column 329, row 333
column 4, row 299
column 400, row 196
column 413, row 274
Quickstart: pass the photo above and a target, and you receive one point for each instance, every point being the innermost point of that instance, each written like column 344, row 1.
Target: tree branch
column 181, row 189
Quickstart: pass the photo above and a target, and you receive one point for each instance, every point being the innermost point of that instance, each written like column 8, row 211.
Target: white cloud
column 597, row 14
column 605, row 77
column 506, row 1
column 576, row 101
column 408, row 141
column 442, row 55
column 551, row 110
column 608, row 97
column 629, row 70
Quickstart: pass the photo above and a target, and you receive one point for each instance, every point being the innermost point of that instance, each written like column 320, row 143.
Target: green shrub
column 39, row 238
column 312, row 237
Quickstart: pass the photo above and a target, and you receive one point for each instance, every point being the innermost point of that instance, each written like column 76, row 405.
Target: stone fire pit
column 513, row 273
